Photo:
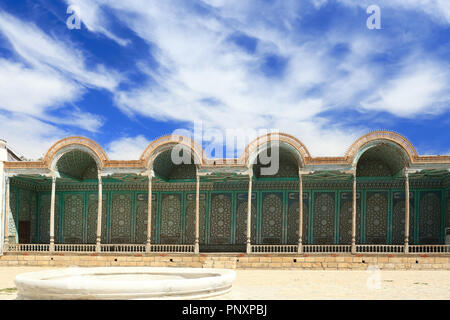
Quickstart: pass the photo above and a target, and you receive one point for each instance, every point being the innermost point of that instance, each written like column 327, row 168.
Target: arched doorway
column 380, row 174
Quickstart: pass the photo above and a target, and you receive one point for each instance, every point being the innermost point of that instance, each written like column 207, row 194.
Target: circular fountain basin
column 124, row 283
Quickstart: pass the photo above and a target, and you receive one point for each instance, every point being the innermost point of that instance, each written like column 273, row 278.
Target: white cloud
column 41, row 51
column 439, row 10
column 46, row 75
column 127, row 148
column 204, row 77
column 32, row 91
column 77, row 119
column 419, row 89
column 90, row 14
column 212, row 81
column 29, row 136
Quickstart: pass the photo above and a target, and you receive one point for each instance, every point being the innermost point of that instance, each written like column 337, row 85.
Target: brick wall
column 233, row 261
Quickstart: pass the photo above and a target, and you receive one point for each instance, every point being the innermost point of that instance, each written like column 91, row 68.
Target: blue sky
column 140, row 69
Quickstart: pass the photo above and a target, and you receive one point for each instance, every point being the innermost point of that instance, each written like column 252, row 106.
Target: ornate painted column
column 406, row 212
column 52, row 215
column 197, row 215
column 249, row 212
column 99, row 214
column 7, row 210
column 149, row 214
column 354, row 214
column 300, row 213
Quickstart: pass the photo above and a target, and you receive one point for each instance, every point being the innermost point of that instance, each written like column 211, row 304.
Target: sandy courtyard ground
column 301, row 284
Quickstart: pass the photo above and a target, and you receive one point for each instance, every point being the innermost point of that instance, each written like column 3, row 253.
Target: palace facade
column 381, row 196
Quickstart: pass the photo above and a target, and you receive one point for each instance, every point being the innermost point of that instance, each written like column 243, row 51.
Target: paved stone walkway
column 311, row 284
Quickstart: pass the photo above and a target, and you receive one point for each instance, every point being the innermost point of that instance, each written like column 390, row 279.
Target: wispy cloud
column 286, row 65
column 42, row 77
column 421, row 88
column 33, row 91
column 29, row 136
column 42, row 51
column 127, row 148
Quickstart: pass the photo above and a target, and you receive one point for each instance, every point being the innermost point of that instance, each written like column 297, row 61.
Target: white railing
column 274, row 248
column 65, row 247
column 379, row 248
column 174, row 248
column 323, row 248
column 122, row 247
column 432, row 248
column 187, row 248
column 31, row 247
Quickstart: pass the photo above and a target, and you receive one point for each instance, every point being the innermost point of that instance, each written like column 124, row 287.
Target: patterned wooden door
column 220, row 218
column 376, row 217
column 346, row 218
column 44, row 218
column 24, row 231
column 121, row 218
column 293, row 218
column 189, row 229
column 241, row 219
column 170, row 228
column 272, row 218
column 398, row 218
column 73, row 218
column 323, row 217
column 430, row 217
column 142, row 218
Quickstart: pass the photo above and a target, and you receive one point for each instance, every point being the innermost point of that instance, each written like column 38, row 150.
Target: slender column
column 52, row 215
column 197, row 215
column 7, row 210
column 300, row 213
column 249, row 214
column 406, row 212
column 354, row 214
column 99, row 214
column 149, row 214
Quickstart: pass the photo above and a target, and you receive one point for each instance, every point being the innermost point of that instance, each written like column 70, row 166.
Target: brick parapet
column 233, row 261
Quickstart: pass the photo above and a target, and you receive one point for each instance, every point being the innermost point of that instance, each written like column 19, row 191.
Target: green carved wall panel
column 33, row 216
column 272, row 218
column 73, row 221
column 293, row 218
column 376, row 217
column 223, row 212
column 189, row 230
column 430, row 217
column 170, row 230
column 324, row 213
column 398, row 218
column 447, row 219
column 26, row 206
column 373, row 169
column 142, row 218
column 92, row 218
column 241, row 219
column 13, row 222
column 220, row 218
column 121, row 218
column 44, row 218
column 346, row 218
